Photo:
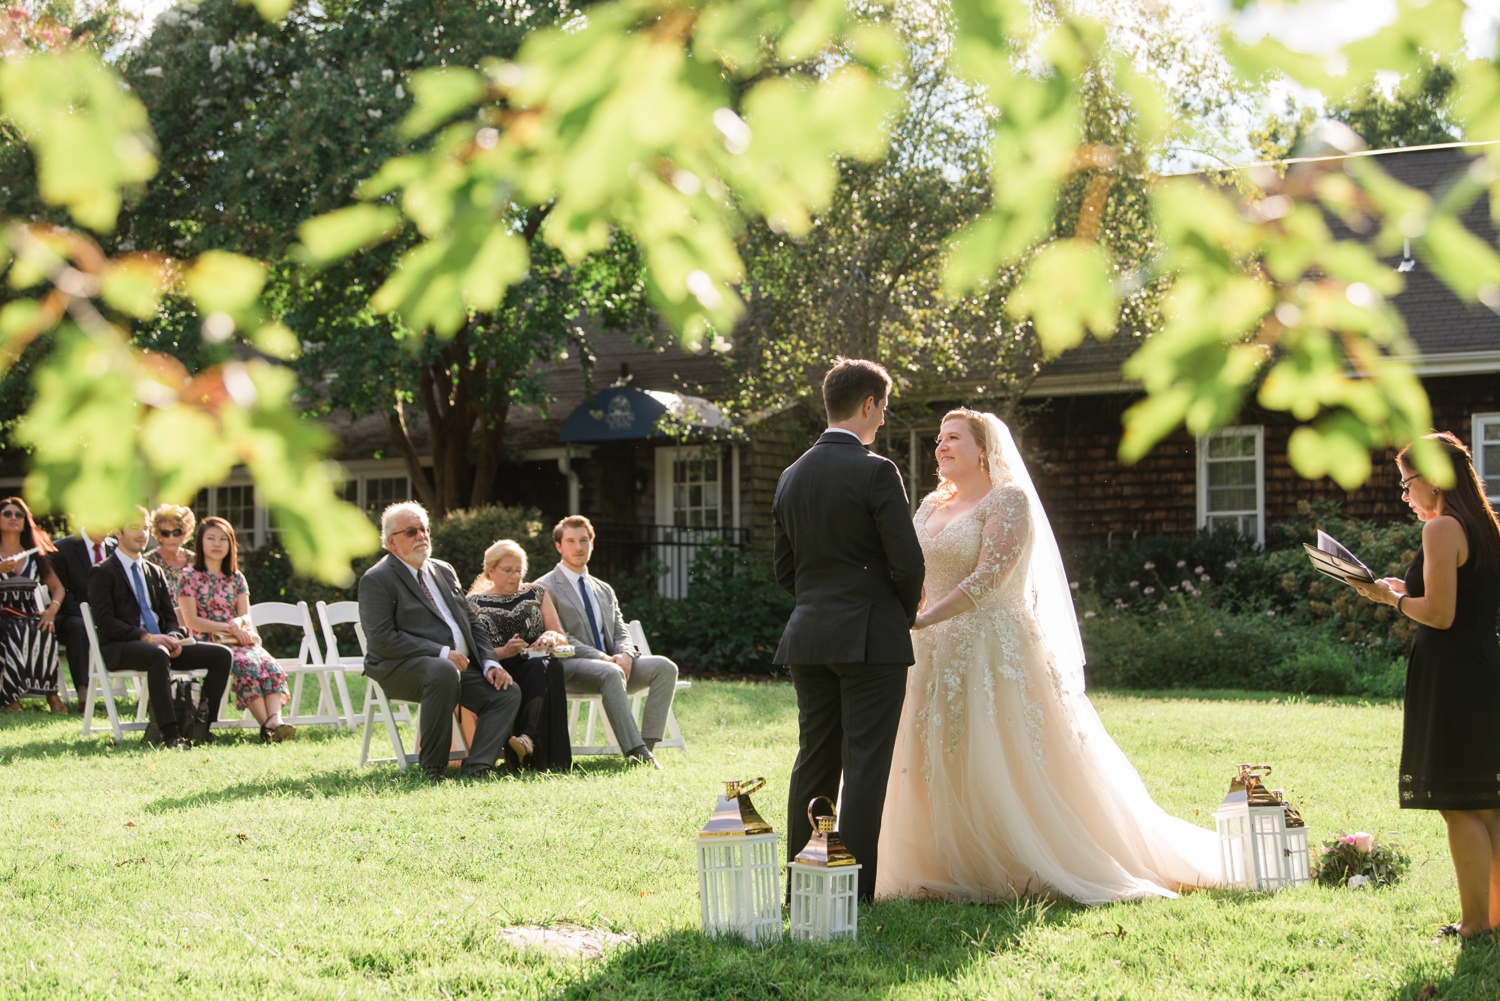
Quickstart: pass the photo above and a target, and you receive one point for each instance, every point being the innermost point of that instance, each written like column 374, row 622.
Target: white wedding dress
column 1003, row 779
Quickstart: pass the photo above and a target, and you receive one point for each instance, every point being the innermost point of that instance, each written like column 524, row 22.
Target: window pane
column 1492, row 431
column 710, row 469
column 1231, row 474
column 236, row 505
column 1231, row 446
column 384, row 491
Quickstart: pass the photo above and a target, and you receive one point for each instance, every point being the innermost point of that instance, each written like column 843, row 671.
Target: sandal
column 1452, row 931
column 522, row 746
column 14, row 707
column 57, row 705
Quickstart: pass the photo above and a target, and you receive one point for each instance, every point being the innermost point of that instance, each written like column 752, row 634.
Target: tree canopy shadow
column 899, row 942
column 1474, row 974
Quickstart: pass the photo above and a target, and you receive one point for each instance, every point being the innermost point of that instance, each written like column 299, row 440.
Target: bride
column 1003, row 780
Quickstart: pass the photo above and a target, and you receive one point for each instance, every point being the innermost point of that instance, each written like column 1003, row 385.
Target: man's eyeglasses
column 169, row 533
column 415, row 532
column 1406, row 485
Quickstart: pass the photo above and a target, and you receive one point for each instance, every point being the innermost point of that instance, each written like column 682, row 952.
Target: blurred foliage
column 1419, row 113
column 262, row 126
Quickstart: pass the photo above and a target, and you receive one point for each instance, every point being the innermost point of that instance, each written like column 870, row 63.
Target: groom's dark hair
column 849, row 382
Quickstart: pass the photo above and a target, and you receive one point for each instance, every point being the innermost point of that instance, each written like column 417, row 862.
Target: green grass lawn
column 247, row 871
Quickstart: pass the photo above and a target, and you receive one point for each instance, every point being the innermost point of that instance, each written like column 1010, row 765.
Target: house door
column 689, row 510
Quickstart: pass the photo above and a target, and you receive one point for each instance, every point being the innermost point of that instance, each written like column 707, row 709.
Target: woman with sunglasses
column 28, row 639
column 1450, row 746
column 172, row 525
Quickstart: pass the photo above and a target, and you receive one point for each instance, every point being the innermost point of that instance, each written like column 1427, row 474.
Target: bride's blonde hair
column 981, row 433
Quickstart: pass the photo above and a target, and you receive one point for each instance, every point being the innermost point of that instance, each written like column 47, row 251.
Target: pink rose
column 1364, row 842
column 1347, row 839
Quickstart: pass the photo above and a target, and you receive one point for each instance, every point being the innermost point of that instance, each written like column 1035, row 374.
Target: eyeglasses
column 415, row 532
column 11, row 512
column 169, row 533
column 1406, row 484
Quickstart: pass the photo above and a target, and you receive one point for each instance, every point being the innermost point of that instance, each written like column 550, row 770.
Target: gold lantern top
column 825, row 848
column 1248, row 787
column 734, row 814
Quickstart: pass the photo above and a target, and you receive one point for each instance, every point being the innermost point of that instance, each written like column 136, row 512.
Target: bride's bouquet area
column 1358, row 860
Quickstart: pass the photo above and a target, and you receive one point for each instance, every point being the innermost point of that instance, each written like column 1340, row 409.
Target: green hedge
column 460, row 538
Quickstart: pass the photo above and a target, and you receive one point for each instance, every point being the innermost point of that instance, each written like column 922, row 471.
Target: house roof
column 1451, row 334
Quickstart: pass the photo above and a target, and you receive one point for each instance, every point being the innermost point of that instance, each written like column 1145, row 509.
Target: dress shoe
column 57, row 705
column 641, row 756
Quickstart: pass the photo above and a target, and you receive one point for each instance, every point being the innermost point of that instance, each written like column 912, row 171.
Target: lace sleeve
column 1007, row 527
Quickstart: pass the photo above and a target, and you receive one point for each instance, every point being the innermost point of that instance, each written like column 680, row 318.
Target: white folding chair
column 597, row 718
column 378, row 708
column 309, row 661
column 102, row 685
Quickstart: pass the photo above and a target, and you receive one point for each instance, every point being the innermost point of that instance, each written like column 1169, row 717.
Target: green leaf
column 339, row 233
column 440, row 94
column 276, row 340
column 90, row 137
column 271, row 10
column 134, row 284
column 221, row 281
column 1067, row 289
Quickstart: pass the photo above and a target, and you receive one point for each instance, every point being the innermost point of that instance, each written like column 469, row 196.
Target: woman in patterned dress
column 521, row 617
column 214, row 599
column 171, row 526
column 1003, row 780
column 28, row 639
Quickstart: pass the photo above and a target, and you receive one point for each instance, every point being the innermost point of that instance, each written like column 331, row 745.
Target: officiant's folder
column 1330, row 557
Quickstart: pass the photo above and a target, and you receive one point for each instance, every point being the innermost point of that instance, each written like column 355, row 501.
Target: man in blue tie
column 607, row 662
column 135, row 616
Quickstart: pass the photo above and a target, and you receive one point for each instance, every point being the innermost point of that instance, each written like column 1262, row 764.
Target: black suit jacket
column 117, row 615
column 400, row 624
column 72, row 563
column 847, row 551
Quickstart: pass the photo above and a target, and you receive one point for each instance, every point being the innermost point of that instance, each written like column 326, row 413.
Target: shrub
column 460, row 538
column 730, row 621
column 1204, row 647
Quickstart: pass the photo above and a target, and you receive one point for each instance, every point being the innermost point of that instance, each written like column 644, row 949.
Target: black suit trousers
column 847, row 716
column 75, row 641
column 137, row 655
column 433, row 682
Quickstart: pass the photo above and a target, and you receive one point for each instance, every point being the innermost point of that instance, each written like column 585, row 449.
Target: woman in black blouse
column 1450, row 747
column 521, row 616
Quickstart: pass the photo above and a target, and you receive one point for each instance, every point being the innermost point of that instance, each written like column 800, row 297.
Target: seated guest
column 76, row 556
column 606, row 662
column 28, row 641
column 520, row 617
column 171, row 526
column 424, row 644
column 136, row 618
column 215, row 602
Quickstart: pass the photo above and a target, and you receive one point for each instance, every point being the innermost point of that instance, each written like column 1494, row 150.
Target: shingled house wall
column 1094, row 499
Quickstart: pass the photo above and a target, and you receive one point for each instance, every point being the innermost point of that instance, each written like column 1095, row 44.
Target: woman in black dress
column 28, row 638
column 521, row 618
column 1450, row 748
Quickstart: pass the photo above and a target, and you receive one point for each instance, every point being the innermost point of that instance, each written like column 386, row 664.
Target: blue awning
column 624, row 413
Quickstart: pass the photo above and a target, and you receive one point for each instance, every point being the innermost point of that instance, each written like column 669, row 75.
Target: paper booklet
column 1331, row 558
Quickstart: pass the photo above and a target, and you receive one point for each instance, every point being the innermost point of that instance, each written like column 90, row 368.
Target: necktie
column 588, row 607
column 98, row 553
column 422, row 580
column 148, row 617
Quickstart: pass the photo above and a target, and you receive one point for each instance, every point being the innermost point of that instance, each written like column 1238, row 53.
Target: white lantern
column 825, row 884
column 739, row 869
column 1262, row 840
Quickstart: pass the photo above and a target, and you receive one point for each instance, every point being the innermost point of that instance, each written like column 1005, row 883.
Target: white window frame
column 1477, row 424
column 1259, row 432
column 665, row 456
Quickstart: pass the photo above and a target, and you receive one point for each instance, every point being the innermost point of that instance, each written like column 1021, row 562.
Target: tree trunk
column 444, row 387
column 491, row 451
column 395, row 420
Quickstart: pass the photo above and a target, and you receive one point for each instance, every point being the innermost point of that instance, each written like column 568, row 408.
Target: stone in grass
column 563, row 939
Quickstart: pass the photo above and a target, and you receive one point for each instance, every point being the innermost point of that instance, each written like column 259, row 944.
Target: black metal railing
column 641, row 559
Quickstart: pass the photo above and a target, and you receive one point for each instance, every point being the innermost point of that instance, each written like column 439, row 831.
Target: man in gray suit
column 424, row 645
column 606, row 661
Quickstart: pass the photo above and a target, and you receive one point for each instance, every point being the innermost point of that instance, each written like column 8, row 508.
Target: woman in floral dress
column 215, row 602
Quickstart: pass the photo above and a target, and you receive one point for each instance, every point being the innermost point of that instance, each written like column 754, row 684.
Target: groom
column 847, row 551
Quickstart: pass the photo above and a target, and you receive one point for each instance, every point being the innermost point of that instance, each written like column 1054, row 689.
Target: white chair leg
column 390, row 726
column 343, row 687
column 116, row 732
column 364, row 745
column 588, row 732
